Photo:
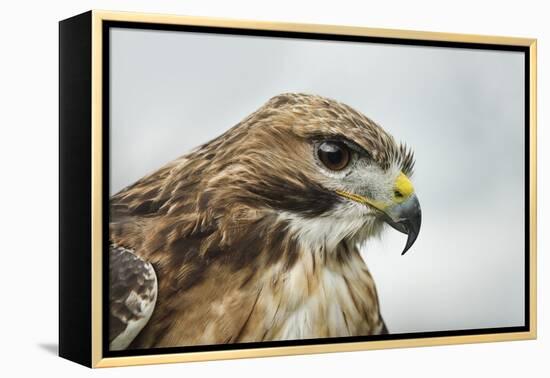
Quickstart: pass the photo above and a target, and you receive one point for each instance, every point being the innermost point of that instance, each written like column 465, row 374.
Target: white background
column 29, row 186
column 461, row 110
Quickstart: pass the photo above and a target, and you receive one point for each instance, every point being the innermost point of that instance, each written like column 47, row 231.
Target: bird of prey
column 255, row 235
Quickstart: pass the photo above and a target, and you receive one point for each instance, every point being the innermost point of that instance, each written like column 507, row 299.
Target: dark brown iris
column 334, row 155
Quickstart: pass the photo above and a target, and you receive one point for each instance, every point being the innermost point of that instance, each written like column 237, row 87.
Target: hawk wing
column 132, row 296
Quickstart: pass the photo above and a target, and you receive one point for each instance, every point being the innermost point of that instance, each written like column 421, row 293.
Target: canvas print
column 268, row 189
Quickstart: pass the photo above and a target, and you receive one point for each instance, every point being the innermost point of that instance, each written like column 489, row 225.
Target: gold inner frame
column 97, row 213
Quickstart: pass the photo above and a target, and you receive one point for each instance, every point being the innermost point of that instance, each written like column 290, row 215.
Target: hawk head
column 330, row 173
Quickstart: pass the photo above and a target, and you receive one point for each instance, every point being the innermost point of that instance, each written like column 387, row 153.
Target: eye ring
column 334, row 155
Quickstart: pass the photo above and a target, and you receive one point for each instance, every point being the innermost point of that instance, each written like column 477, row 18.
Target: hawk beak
column 403, row 213
column 405, row 217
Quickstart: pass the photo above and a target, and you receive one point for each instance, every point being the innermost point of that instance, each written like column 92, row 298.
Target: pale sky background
column 461, row 110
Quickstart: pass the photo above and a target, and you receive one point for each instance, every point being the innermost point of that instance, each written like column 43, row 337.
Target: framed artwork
column 235, row 188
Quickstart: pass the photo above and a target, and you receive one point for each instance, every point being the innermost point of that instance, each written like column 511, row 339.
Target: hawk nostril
column 398, row 194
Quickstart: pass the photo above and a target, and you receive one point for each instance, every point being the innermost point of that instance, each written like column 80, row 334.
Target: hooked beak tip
column 406, row 218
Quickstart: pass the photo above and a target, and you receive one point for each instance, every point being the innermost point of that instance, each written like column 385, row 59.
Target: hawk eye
column 334, row 155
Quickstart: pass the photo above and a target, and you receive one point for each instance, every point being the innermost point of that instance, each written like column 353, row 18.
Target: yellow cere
column 403, row 188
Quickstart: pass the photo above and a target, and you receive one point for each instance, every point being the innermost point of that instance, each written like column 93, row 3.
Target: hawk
column 255, row 235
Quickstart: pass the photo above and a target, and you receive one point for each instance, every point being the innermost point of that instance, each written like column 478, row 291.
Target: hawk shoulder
column 132, row 296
